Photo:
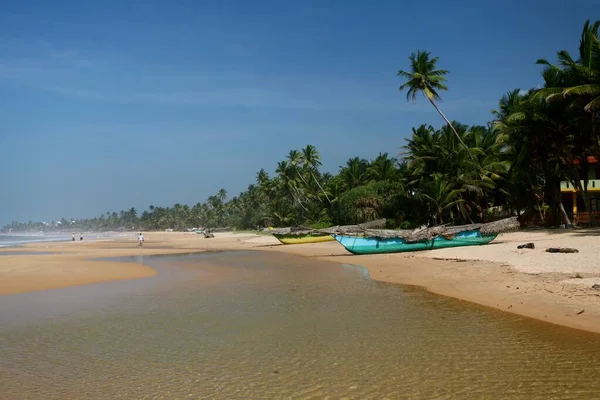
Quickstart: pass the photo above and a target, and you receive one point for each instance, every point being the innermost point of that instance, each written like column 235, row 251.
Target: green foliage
column 358, row 205
column 375, row 200
column 320, row 225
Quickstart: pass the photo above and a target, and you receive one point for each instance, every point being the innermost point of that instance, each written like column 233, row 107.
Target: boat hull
column 372, row 245
column 302, row 239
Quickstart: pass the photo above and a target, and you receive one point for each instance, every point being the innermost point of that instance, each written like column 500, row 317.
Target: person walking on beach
column 73, row 236
column 140, row 239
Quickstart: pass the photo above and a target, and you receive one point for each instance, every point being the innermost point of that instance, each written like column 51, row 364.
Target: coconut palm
column 382, row 168
column 426, row 79
column 354, row 173
column 289, row 183
column 311, row 160
column 441, row 196
column 581, row 77
column 295, row 159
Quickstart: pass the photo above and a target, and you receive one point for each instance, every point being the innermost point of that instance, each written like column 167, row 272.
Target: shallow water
column 249, row 325
column 25, row 253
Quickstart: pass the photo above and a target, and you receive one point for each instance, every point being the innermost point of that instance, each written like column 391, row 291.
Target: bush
column 367, row 203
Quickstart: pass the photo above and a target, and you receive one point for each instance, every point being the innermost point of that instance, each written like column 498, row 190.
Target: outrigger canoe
column 290, row 238
column 371, row 241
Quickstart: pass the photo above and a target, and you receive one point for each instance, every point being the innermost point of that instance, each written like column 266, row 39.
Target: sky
column 117, row 104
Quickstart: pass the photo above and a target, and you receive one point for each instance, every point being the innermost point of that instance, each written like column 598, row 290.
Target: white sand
column 532, row 261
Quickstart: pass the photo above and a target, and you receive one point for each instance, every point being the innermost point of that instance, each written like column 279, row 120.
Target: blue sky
column 117, row 104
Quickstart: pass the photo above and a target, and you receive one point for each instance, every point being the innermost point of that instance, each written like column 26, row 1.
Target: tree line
column 454, row 173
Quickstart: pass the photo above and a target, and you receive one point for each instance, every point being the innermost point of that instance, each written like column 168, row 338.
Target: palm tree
column 382, row 168
column 539, row 140
column 295, row 159
column 441, row 196
column 354, row 174
column 286, row 178
column 426, row 79
column 262, row 178
column 312, row 161
column 222, row 195
column 583, row 73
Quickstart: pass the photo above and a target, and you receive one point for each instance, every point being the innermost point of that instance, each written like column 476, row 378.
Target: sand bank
column 546, row 286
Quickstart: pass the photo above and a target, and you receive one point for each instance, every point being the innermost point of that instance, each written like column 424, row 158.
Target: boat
column 372, row 241
column 303, row 235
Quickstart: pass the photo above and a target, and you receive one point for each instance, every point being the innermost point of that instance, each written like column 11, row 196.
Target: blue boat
column 390, row 241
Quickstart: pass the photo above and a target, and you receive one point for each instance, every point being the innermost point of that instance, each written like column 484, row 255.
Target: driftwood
column 526, row 246
column 561, row 250
column 423, row 234
column 596, row 286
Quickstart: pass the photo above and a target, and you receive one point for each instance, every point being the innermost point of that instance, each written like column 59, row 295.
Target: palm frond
column 546, row 92
column 593, row 105
column 583, row 90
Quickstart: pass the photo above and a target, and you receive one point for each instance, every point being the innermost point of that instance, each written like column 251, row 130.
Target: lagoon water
column 252, row 325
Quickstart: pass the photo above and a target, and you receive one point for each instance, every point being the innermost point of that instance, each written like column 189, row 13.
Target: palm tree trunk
column 586, row 196
column 561, row 207
column 296, row 197
column 588, row 203
column 301, row 177
column 539, row 208
column 452, row 127
column 320, row 187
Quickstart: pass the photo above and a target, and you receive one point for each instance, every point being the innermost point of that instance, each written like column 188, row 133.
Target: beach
column 555, row 288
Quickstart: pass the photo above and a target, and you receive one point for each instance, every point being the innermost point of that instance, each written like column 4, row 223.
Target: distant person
column 81, row 237
column 73, row 236
column 140, row 239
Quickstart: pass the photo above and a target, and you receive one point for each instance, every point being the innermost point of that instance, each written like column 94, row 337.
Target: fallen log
column 561, row 250
column 526, row 246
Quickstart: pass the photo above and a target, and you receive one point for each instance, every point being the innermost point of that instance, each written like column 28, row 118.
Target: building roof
column 590, row 160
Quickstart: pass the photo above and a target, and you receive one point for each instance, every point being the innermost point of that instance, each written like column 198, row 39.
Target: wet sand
column 550, row 287
column 270, row 325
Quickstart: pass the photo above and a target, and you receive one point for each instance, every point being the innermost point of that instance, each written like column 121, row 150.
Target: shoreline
column 532, row 284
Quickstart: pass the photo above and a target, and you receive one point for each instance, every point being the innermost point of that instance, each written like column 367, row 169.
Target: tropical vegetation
column 453, row 173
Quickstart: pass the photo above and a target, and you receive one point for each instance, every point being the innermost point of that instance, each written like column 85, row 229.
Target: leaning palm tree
column 295, row 158
column 312, row 161
column 426, row 79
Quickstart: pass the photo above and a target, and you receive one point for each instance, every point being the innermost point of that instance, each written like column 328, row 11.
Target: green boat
column 395, row 241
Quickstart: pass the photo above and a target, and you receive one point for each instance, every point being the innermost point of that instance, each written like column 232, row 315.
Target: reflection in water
column 244, row 325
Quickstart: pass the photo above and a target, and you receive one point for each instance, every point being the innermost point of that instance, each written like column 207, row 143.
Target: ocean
column 14, row 240
column 24, row 238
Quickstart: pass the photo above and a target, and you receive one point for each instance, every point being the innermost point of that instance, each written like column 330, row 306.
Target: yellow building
column 571, row 199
